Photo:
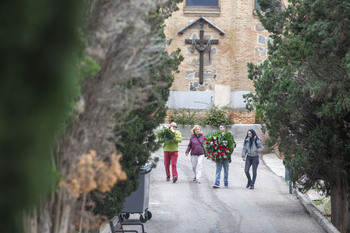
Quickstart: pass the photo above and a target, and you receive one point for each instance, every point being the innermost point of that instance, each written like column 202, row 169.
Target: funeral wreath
column 218, row 145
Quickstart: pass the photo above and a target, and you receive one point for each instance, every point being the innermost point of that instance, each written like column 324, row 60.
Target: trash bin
column 138, row 200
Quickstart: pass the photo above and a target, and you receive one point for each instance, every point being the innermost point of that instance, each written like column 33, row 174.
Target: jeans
column 219, row 166
column 251, row 160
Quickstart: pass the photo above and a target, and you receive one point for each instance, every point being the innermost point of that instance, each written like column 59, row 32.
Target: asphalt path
column 186, row 206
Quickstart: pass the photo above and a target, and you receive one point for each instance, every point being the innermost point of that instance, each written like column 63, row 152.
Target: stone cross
column 201, row 45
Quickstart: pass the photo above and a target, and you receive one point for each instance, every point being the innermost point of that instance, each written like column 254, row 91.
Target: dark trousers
column 251, row 160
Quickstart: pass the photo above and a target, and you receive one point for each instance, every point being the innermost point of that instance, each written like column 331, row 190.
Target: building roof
column 201, row 18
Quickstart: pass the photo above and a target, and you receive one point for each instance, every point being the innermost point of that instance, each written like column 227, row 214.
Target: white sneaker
column 198, row 181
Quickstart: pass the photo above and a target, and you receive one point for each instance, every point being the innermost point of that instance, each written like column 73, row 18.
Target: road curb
column 314, row 212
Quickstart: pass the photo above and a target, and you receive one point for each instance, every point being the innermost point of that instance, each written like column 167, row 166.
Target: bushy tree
column 303, row 91
column 39, row 104
column 216, row 115
column 37, row 44
column 136, row 140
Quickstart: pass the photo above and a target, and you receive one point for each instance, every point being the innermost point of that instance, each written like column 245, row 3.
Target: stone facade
column 245, row 40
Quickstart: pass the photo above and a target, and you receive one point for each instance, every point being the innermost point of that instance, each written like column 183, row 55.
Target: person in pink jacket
column 195, row 145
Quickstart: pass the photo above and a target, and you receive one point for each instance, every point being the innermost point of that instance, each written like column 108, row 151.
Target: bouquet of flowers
column 165, row 134
column 218, row 145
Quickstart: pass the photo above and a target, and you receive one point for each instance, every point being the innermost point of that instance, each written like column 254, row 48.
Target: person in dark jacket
column 195, row 145
column 252, row 145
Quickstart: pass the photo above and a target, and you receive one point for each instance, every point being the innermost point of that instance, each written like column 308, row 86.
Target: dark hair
column 254, row 136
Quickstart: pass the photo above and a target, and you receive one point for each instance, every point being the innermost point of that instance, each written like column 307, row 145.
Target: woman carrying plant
column 195, row 145
column 171, row 149
column 251, row 146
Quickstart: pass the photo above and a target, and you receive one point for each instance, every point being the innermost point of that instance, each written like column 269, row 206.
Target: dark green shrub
column 186, row 117
column 216, row 116
column 37, row 47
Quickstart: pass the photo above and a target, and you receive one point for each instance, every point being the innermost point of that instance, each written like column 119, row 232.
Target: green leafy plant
column 320, row 202
column 218, row 145
column 216, row 116
column 165, row 134
column 186, row 117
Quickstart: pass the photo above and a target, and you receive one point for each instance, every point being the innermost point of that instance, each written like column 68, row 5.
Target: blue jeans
column 251, row 160
column 219, row 166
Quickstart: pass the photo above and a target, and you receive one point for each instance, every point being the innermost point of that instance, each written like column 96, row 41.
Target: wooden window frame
column 210, row 10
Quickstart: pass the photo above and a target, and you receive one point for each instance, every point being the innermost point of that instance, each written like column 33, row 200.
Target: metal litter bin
column 138, row 200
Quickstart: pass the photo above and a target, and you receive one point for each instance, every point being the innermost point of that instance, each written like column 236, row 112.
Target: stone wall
column 245, row 40
column 243, row 117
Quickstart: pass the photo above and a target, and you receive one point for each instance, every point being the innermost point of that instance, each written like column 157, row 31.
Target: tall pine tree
column 303, row 90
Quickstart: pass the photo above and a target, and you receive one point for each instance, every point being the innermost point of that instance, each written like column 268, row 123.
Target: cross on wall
column 201, row 45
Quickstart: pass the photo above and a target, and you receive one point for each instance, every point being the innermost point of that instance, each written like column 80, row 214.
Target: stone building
column 232, row 36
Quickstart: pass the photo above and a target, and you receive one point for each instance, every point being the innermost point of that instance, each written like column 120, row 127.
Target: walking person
column 223, row 164
column 250, row 153
column 195, row 145
column 171, row 149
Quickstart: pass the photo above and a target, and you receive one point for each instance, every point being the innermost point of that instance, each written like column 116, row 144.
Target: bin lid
column 146, row 168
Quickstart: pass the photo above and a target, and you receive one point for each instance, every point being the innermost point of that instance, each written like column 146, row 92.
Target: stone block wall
column 242, row 117
column 245, row 40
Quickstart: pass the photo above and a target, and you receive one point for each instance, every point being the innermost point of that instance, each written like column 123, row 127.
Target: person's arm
column 189, row 147
column 243, row 151
column 260, row 145
column 178, row 137
column 202, row 143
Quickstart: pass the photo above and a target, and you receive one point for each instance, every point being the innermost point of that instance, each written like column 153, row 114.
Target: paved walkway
column 186, row 206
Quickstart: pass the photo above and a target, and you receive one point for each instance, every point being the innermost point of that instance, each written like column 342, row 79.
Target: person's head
column 173, row 125
column 197, row 130
column 251, row 133
column 222, row 127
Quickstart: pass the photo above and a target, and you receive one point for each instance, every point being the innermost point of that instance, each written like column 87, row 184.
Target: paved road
column 186, row 207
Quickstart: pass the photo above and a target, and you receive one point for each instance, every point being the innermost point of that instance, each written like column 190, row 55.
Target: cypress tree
column 303, row 91
column 37, row 43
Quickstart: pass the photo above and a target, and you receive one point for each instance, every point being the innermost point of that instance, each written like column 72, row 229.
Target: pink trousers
column 170, row 156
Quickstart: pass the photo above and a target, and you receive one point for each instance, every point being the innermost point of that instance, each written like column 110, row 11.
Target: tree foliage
column 43, row 102
column 303, row 91
column 136, row 140
column 37, row 44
